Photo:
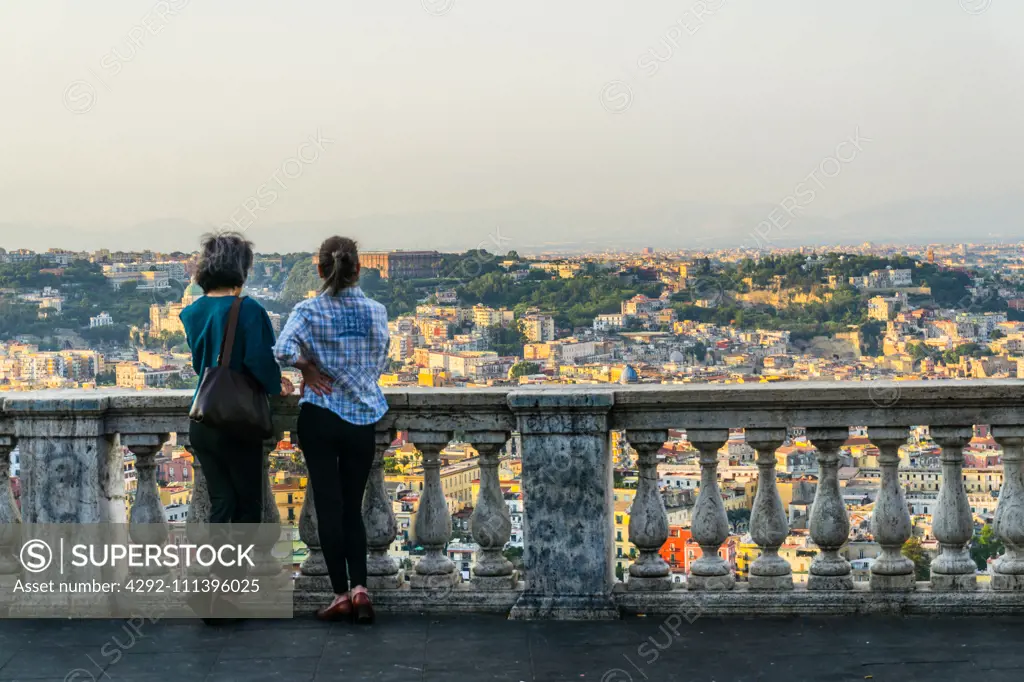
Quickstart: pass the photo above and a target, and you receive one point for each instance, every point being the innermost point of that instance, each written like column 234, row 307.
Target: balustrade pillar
column 829, row 523
column 313, row 568
column 953, row 570
column 769, row 525
column 710, row 525
column 10, row 516
column 491, row 523
column 890, row 520
column 148, row 522
column 648, row 521
column 69, row 471
column 381, row 528
column 1009, row 522
column 568, row 511
column 433, row 526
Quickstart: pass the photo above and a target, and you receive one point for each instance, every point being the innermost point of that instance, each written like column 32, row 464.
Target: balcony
column 71, row 474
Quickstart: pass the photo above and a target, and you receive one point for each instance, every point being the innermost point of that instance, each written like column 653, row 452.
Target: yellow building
column 166, row 318
column 512, row 485
column 175, row 494
column 623, row 549
column 457, row 483
column 746, row 554
column 289, row 494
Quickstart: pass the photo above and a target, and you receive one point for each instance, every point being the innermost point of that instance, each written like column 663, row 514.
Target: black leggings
column 338, row 456
column 233, row 468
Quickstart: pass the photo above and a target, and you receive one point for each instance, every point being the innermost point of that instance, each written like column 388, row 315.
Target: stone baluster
column 953, row 524
column 197, row 521
column 1009, row 522
column 829, row 523
column 491, row 523
column 268, row 535
column 314, row 576
column 433, row 526
column 148, row 524
column 890, row 520
column 648, row 521
column 769, row 524
column 381, row 528
column 710, row 525
column 10, row 516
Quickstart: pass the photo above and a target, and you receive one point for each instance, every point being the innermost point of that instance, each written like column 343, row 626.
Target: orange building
column 674, row 548
column 402, row 264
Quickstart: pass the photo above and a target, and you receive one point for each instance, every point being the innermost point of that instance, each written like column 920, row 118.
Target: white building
column 176, row 513
column 610, row 322
column 102, row 320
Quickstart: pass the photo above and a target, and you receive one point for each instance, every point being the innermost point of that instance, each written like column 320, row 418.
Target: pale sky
column 459, row 105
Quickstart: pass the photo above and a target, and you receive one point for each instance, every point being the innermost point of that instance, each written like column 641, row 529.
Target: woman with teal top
column 232, row 463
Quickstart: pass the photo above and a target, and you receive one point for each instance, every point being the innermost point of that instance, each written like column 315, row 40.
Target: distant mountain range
column 536, row 229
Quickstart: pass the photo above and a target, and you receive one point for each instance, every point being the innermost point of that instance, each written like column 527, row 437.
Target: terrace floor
column 482, row 648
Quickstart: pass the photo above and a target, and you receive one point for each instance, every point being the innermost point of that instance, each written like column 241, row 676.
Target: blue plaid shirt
column 346, row 336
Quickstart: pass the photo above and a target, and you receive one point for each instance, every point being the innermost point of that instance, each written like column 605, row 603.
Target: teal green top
column 205, row 322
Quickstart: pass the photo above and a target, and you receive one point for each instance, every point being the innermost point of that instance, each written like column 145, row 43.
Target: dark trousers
column 338, row 456
column 233, row 468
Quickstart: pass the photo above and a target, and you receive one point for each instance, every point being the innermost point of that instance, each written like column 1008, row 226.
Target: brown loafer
column 362, row 609
column 340, row 611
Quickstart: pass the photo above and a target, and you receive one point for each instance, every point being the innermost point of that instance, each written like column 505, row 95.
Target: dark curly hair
column 225, row 259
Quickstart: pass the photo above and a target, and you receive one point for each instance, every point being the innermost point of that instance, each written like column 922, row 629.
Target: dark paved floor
column 481, row 648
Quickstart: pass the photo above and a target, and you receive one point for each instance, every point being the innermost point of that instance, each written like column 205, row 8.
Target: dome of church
column 192, row 292
column 676, row 357
column 629, row 375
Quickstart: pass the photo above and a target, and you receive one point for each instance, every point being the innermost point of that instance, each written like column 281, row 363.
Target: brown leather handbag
column 230, row 400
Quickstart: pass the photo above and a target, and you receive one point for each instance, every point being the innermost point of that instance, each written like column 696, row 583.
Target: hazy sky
column 459, row 105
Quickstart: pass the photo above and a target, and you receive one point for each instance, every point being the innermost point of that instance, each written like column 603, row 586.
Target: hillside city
column 104, row 320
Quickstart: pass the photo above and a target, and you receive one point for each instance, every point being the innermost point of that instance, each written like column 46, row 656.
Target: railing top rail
column 656, row 406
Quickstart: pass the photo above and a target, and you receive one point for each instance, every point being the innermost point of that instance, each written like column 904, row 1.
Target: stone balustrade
column 71, row 471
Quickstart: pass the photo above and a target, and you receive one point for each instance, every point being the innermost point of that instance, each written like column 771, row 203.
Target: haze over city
column 568, row 126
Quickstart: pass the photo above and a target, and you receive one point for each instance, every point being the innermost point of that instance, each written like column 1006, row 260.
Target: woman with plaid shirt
column 339, row 340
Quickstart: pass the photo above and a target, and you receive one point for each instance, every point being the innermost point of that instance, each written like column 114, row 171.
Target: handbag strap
column 229, row 333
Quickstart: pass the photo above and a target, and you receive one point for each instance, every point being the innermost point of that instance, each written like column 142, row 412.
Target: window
column 618, row 519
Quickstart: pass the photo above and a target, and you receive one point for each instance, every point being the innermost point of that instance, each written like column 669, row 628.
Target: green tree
column 523, row 368
column 913, row 550
column 506, row 341
column 985, row 546
column 515, row 555
column 620, row 574
column 108, row 378
column 918, row 351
